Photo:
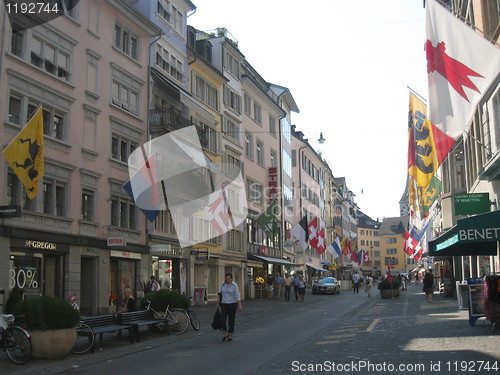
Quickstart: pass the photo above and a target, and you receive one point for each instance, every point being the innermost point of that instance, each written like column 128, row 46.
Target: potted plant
column 51, row 322
column 389, row 289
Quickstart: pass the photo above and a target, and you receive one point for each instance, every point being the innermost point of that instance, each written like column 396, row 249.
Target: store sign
column 10, row 211
column 161, row 249
column 124, row 254
column 272, row 183
column 471, row 204
column 31, row 244
column 262, row 250
column 202, row 255
column 116, row 241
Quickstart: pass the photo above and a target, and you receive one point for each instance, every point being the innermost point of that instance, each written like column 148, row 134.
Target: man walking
column 288, row 286
column 278, row 283
column 295, row 282
column 355, row 280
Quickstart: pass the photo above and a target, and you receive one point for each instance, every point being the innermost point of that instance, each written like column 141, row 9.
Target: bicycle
column 15, row 341
column 193, row 317
column 85, row 336
column 177, row 320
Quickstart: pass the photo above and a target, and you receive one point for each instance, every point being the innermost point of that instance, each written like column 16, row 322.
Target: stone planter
column 389, row 293
column 53, row 344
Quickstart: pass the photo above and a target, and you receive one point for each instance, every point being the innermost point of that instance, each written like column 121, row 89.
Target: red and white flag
column 366, row 258
column 321, row 246
column 411, row 244
column 313, row 233
column 461, row 66
column 218, row 211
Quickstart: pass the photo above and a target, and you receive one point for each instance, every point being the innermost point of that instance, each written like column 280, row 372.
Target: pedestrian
column 287, row 281
column 369, row 285
column 278, row 284
column 295, row 282
column 153, row 284
column 229, row 302
column 128, row 303
column 428, row 286
column 355, row 282
column 270, row 288
column 302, row 288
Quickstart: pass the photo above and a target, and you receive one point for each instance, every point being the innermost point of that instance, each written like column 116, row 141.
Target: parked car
column 327, row 285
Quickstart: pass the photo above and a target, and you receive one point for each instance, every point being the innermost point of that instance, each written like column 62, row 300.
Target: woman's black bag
column 217, row 322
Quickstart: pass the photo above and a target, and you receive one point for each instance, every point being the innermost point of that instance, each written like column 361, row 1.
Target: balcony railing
column 164, row 120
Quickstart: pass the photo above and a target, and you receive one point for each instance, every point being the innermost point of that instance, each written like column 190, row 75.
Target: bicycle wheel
column 193, row 318
column 17, row 345
column 84, row 339
column 178, row 322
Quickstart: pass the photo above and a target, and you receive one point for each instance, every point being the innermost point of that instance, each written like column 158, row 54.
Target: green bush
column 15, row 297
column 45, row 312
column 163, row 297
column 385, row 284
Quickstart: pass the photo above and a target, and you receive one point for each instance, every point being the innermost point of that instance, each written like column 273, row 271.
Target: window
column 87, row 205
column 162, row 58
column 232, row 64
column 272, row 125
column 15, row 110
column 249, row 145
column 232, row 99
column 260, row 153
column 126, row 41
column 257, row 112
column 17, row 41
column 248, row 104
column 273, row 159
column 235, row 240
column 391, row 251
column 54, row 197
column 211, row 137
column 53, row 120
column 164, row 222
column 390, row 240
column 69, row 7
column 49, row 58
column 254, row 191
column 125, row 97
column 176, row 68
column 16, row 193
column 232, row 165
column 121, row 148
column 123, row 213
column 163, row 9
column 205, row 91
column 231, row 128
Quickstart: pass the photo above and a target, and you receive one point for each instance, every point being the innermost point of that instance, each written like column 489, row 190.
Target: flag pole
column 416, row 93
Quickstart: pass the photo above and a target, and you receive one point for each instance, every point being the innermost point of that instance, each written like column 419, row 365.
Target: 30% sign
column 23, row 278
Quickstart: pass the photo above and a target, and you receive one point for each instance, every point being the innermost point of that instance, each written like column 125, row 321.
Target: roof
column 393, row 226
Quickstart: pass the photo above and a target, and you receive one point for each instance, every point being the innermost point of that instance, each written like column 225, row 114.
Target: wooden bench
column 106, row 323
column 136, row 319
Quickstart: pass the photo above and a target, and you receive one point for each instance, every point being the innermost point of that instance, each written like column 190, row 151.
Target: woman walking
column 429, row 286
column 229, row 302
column 302, row 288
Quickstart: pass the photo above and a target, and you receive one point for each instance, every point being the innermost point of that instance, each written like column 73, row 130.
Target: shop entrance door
column 88, row 303
column 52, row 276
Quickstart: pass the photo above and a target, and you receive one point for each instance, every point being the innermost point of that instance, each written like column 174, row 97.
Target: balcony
column 165, row 120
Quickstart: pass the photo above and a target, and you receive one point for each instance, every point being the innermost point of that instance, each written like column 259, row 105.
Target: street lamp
column 321, row 140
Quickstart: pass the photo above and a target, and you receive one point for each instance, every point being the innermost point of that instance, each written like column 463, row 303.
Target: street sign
column 10, row 211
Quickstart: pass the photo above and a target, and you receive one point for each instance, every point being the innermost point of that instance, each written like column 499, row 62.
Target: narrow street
column 343, row 334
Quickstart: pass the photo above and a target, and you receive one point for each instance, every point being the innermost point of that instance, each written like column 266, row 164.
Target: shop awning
column 282, row 262
column 316, row 267
column 475, row 235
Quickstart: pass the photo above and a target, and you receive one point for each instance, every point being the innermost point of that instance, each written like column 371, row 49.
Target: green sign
column 471, row 204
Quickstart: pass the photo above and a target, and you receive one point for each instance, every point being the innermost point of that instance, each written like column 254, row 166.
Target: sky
column 349, row 66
